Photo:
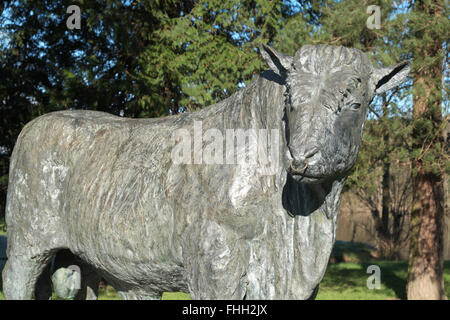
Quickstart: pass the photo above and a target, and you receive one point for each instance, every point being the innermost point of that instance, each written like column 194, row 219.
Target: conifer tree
column 429, row 30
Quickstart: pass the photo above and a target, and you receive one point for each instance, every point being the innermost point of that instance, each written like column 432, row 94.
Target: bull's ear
column 384, row 79
column 277, row 61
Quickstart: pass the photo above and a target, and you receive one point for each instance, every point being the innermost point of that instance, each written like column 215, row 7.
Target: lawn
column 347, row 281
column 342, row 281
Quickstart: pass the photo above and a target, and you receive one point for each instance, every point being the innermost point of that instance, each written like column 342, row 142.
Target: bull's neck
column 261, row 104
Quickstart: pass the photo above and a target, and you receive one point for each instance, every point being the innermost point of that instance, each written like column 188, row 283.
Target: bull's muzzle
column 299, row 163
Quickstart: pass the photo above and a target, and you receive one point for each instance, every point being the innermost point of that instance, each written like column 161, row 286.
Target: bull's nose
column 301, row 162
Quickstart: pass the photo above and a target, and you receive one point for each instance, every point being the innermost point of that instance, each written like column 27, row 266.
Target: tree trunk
column 386, row 195
column 426, row 263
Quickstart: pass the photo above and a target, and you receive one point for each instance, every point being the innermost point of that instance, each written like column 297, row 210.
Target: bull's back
column 95, row 184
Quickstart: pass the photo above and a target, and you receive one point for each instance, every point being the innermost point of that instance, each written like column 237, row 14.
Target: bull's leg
column 216, row 265
column 90, row 279
column 21, row 274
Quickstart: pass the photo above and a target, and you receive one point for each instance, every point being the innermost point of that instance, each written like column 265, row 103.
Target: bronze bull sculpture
column 107, row 189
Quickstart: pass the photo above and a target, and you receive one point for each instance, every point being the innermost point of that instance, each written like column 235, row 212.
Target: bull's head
column 328, row 90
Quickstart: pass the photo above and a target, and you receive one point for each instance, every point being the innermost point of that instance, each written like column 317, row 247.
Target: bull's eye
column 355, row 106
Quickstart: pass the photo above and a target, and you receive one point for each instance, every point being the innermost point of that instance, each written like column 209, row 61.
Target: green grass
column 342, row 281
column 348, row 281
